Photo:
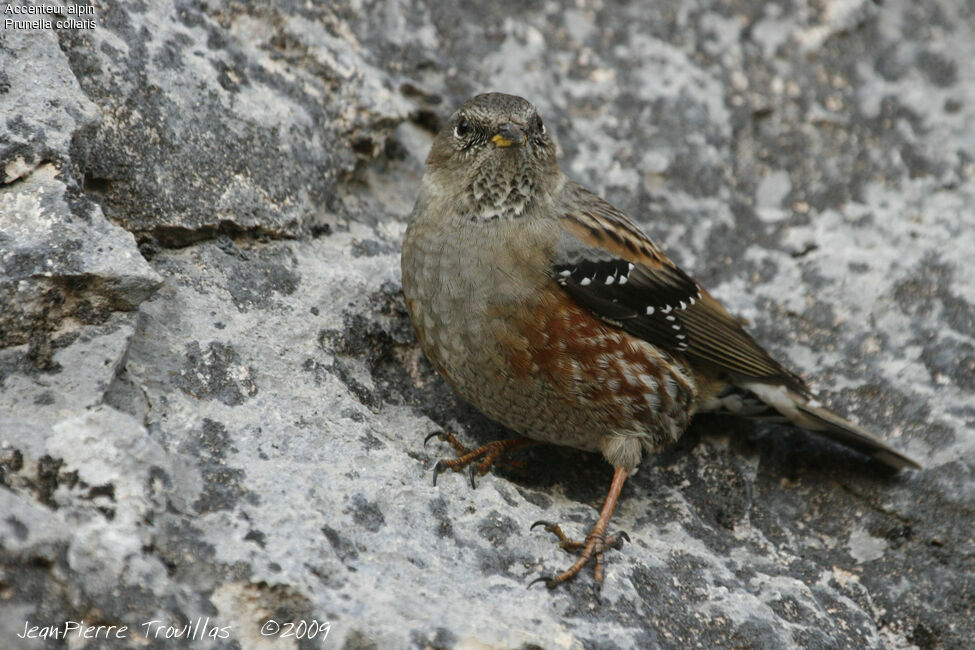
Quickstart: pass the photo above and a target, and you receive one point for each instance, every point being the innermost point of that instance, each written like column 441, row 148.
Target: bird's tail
column 781, row 404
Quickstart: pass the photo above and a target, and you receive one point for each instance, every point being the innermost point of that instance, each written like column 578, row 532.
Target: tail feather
column 845, row 432
column 781, row 404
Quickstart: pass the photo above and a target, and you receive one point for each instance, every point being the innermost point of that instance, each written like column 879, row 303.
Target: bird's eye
column 462, row 128
column 539, row 125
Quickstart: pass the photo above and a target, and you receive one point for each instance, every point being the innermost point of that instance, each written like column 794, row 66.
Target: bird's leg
column 485, row 456
column 596, row 542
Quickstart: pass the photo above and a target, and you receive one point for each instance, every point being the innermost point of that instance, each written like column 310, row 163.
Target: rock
column 43, row 106
column 227, row 119
column 63, row 261
column 213, row 406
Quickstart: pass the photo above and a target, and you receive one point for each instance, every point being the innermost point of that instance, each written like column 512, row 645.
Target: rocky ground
column 212, row 405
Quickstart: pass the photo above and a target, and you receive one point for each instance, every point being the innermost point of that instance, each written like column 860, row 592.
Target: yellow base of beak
column 501, row 141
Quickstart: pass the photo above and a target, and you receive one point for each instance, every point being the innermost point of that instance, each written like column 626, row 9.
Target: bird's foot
column 590, row 550
column 477, row 461
column 595, row 544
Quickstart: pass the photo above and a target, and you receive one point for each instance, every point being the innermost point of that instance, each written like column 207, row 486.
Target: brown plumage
column 553, row 313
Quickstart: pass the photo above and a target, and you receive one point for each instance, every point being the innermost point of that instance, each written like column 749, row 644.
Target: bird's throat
column 497, row 195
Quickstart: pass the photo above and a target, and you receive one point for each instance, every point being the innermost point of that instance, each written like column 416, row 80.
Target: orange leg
column 486, row 456
column 595, row 543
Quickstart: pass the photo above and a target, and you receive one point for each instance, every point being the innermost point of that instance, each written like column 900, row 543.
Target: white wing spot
column 566, row 273
column 666, row 309
column 671, row 318
column 676, row 327
column 622, row 279
column 691, row 300
column 681, row 337
column 682, row 305
column 650, row 311
column 585, row 282
column 609, row 279
column 630, row 264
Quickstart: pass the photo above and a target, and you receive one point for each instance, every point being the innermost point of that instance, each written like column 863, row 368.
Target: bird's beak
column 508, row 134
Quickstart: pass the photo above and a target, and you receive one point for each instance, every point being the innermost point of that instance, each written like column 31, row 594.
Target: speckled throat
column 504, row 193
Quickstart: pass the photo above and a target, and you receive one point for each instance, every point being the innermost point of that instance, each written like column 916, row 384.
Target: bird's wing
column 608, row 265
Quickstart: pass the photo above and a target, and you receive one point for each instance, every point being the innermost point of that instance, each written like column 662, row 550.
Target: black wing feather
column 666, row 307
column 627, row 296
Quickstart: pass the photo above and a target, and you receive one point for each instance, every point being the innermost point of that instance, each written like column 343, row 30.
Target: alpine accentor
column 553, row 313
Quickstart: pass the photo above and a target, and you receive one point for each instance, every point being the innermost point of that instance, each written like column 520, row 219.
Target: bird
column 553, row 313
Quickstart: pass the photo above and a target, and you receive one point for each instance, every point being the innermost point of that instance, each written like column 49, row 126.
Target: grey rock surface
column 212, row 405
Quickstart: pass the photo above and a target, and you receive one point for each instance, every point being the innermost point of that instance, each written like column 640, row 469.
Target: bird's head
column 495, row 156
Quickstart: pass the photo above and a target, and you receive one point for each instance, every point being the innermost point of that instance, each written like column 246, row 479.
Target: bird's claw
column 478, row 461
column 616, row 539
column 590, row 550
column 547, row 580
column 442, row 466
column 438, row 469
